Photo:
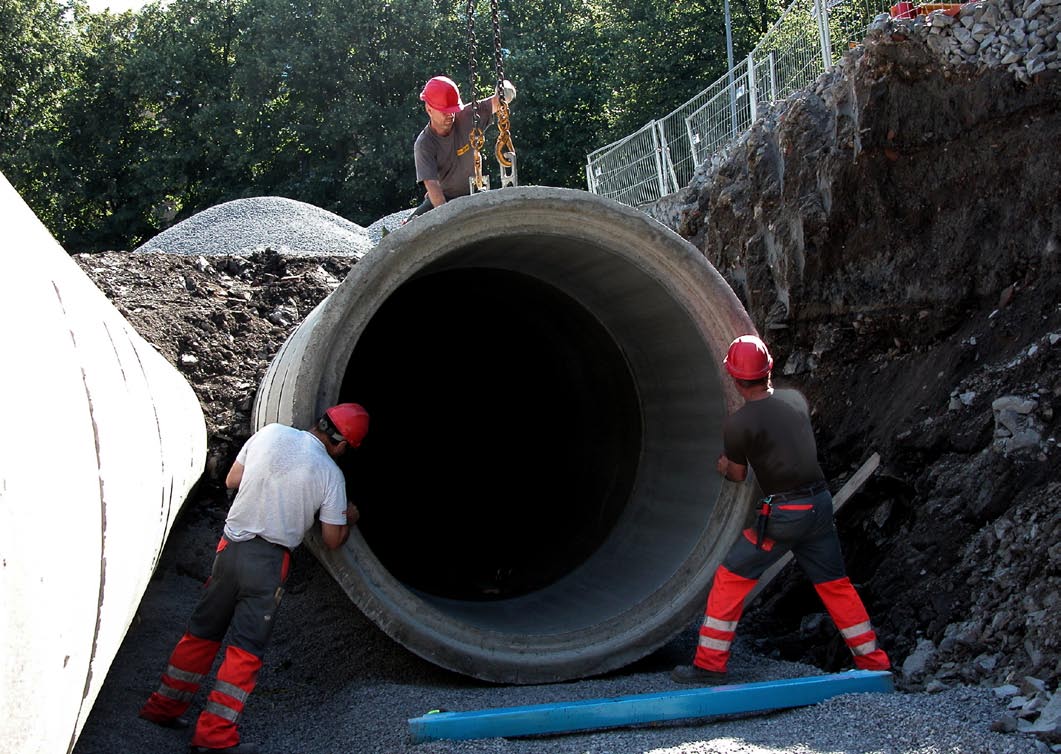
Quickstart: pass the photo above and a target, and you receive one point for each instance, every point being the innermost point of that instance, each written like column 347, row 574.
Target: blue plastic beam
column 614, row 712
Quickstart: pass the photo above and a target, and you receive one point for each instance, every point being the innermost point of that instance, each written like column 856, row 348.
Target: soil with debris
column 894, row 231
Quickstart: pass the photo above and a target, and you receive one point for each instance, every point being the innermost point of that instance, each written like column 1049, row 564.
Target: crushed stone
column 244, row 226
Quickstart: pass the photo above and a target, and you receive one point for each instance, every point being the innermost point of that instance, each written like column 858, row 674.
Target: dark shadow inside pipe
column 506, row 433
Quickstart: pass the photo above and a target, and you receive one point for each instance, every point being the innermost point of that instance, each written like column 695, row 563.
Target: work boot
column 237, row 749
column 695, row 674
column 175, row 723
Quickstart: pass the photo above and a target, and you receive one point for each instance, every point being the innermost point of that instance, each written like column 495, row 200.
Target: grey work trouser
column 242, row 594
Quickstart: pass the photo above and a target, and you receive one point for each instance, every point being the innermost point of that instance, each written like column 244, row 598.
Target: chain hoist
column 505, row 151
column 477, row 181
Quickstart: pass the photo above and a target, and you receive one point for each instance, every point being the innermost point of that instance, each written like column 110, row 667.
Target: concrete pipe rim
column 651, row 302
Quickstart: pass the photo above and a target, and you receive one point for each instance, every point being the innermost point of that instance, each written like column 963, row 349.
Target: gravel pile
column 244, row 226
column 1020, row 35
column 389, row 222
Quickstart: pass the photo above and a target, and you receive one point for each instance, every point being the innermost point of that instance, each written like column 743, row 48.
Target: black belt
column 800, row 493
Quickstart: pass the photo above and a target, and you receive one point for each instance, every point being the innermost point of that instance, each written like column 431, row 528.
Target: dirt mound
column 220, row 320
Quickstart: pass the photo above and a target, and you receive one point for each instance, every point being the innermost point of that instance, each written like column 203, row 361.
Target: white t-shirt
column 287, row 477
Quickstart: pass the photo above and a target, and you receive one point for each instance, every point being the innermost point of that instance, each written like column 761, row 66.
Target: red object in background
column 903, row 10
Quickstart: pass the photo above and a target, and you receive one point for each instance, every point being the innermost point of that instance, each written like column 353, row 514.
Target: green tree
column 328, row 91
column 183, row 74
column 680, row 49
column 106, row 183
column 558, row 59
column 114, row 126
column 35, row 75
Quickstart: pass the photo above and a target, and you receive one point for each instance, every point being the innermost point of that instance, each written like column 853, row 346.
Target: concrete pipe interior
column 537, row 490
column 506, row 438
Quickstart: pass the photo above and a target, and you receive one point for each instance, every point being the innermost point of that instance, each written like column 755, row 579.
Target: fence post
column 822, row 17
column 668, row 158
column 590, row 183
column 753, row 91
column 773, row 76
column 694, row 143
column 660, row 179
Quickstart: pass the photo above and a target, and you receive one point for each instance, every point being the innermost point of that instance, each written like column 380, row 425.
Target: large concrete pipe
column 538, row 490
column 102, row 442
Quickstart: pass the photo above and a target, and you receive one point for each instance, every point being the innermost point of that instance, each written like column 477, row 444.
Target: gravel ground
column 333, row 683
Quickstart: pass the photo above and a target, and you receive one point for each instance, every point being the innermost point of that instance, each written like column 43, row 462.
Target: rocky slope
column 895, row 232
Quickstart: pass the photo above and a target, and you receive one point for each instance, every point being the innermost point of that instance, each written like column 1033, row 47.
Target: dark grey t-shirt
column 448, row 159
column 774, row 436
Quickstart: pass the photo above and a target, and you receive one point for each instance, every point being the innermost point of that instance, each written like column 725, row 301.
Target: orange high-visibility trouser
column 806, row 528
column 241, row 596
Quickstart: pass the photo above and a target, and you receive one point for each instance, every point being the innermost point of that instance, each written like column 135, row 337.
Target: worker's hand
column 509, row 91
column 723, row 464
column 352, row 514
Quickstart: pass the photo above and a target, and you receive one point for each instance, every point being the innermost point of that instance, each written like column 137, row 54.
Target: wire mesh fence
column 808, row 38
column 630, row 170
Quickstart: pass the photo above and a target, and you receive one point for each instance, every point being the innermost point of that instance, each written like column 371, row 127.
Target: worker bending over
column 772, row 433
column 442, row 151
column 285, row 478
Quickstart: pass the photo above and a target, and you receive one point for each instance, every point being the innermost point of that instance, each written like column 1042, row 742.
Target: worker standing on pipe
column 285, row 478
column 443, row 152
column 772, row 433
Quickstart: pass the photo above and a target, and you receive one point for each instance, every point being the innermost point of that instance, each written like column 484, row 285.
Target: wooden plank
column 564, row 717
column 853, row 485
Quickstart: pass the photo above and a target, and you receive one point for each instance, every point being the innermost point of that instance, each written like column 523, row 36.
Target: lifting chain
column 477, row 181
column 505, row 151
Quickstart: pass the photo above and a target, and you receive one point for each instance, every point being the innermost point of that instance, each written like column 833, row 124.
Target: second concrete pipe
column 538, row 492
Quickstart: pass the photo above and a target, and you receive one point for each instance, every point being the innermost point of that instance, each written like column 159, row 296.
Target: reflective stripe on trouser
column 725, row 604
column 216, row 728
column 849, row 614
column 242, row 597
column 188, row 664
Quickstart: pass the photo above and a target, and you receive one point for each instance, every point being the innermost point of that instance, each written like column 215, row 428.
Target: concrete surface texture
column 102, row 442
column 457, row 329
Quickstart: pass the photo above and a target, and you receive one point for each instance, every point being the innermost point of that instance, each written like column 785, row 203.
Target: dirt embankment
column 895, row 232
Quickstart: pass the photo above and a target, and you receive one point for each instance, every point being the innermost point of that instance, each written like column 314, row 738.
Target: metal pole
column 729, row 65
column 823, row 34
column 694, row 143
column 661, row 180
column 773, row 78
column 753, row 92
column 668, row 158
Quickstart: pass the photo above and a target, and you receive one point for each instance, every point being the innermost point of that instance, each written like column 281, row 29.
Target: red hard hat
column 351, row 420
column 443, row 95
column 748, row 358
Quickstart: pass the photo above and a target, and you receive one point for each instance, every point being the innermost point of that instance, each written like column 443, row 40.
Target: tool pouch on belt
column 761, row 521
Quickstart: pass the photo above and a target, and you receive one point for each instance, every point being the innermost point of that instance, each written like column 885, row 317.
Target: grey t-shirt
column 448, row 159
column 774, row 436
column 287, row 477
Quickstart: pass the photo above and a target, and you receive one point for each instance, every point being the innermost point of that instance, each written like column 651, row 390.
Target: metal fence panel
column 661, row 157
column 720, row 120
column 630, row 170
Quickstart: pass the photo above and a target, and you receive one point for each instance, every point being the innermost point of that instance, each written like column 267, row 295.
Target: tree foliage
column 113, row 127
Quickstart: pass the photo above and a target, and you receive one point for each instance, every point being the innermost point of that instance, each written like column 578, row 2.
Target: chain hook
column 505, row 150
column 477, row 181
